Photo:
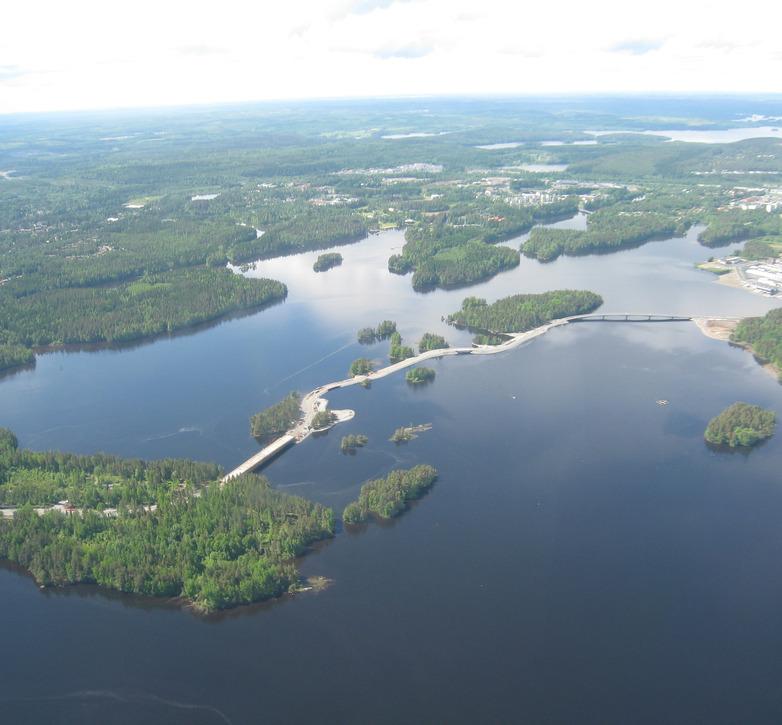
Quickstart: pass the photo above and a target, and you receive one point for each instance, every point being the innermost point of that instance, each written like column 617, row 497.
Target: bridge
column 629, row 317
column 314, row 400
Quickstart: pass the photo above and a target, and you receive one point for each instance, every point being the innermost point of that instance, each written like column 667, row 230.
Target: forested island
column 325, row 262
column 430, row 341
column 398, row 351
column 370, row 335
column 278, row 418
column 740, row 425
column 350, row 443
column 229, row 545
column 361, row 366
column 419, row 375
column 520, row 313
column 388, row 497
column 763, row 335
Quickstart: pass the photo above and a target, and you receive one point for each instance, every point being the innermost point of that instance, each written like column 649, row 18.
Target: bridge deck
column 263, row 456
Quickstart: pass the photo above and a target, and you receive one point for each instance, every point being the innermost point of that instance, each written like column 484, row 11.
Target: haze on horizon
column 86, row 54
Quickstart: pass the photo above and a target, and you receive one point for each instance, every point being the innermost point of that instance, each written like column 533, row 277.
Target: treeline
column 155, row 304
column 231, row 545
column 742, row 425
column 95, row 481
column 304, row 232
column 12, row 356
column 519, row 313
column 607, row 230
column 388, row 497
column 737, row 225
column 764, row 335
column 278, row 418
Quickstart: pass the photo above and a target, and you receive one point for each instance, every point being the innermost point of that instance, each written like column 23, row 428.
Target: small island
column 326, row 261
column 430, row 341
column 399, row 351
column 370, row 335
column 419, row 376
column 388, row 497
column 740, row 426
column 405, row 434
column 351, row 442
column 278, row 418
column 361, row 366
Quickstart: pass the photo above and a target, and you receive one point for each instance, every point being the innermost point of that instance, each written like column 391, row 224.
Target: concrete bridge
column 314, row 402
column 628, row 317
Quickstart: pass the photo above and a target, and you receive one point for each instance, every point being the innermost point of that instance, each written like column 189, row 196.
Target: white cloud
column 88, row 54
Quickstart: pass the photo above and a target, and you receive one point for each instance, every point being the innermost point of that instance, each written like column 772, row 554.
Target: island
column 388, row 497
column 369, row 335
column 398, row 351
column 419, row 376
column 278, row 418
column 404, row 434
column 740, row 425
column 361, row 366
column 520, row 313
column 430, row 341
column 351, row 442
column 326, row 261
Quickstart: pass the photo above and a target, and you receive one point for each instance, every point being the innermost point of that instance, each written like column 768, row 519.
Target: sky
column 80, row 54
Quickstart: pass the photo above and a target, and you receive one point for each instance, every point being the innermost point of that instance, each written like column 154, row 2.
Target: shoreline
column 721, row 329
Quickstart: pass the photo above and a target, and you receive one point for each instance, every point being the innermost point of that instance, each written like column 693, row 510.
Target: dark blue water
column 583, row 557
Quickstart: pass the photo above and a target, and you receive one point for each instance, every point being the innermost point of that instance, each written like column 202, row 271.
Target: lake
column 583, row 557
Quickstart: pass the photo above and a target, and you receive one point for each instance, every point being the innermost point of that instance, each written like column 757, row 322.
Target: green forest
column 229, row 545
column 388, row 497
column 740, row 425
column 763, row 335
column 115, row 242
column 607, row 230
column 519, row 313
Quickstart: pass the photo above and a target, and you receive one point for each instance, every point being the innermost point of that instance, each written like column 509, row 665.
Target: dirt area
column 716, row 329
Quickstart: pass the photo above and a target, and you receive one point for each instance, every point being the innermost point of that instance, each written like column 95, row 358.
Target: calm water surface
column 583, row 558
